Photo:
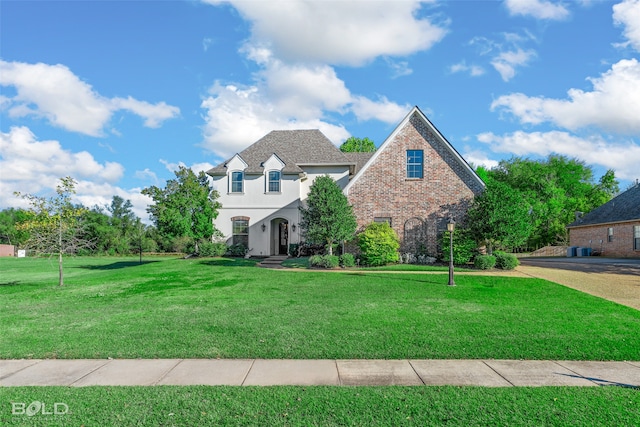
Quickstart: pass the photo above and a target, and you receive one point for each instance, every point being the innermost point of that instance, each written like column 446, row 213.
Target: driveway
column 615, row 279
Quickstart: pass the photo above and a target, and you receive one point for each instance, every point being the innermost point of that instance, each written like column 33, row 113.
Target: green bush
column 347, row 260
column 293, row 249
column 506, row 261
column 464, row 247
column 238, row 250
column 484, row 262
column 212, row 249
column 378, row 244
column 324, row 261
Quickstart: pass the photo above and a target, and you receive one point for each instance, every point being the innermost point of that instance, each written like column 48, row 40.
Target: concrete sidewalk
column 265, row 372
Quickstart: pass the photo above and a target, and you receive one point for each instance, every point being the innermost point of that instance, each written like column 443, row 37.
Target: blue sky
column 117, row 94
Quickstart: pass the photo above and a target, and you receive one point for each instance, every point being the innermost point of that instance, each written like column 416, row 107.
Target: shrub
column 506, row 261
column 379, row 244
column 293, row 249
column 484, row 262
column 212, row 249
column 347, row 260
column 464, row 246
column 238, row 250
column 324, row 261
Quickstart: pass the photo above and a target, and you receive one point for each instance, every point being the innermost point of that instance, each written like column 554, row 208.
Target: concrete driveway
column 615, row 279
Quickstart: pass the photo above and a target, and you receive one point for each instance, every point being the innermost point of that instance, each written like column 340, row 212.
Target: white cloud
column 399, row 68
column 382, row 110
column 627, row 14
column 613, row 105
column 196, row 167
column 622, row 157
column 506, row 62
column 147, row 175
column 35, row 167
column 462, row 67
column 540, row 9
column 56, row 94
column 479, row 158
column 339, row 32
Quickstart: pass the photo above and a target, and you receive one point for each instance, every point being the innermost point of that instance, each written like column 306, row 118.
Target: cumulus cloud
column 339, row 32
column 623, row 157
column 35, row 167
column 506, row 62
column 53, row 92
column 613, row 104
column 627, row 15
column 196, row 167
column 478, row 157
column 540, row 9
column 382, row 109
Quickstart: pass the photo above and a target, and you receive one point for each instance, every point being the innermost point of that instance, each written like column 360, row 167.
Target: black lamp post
column 451, row 226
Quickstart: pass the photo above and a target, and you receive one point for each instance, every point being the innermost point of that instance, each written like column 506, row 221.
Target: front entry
column 280, row 237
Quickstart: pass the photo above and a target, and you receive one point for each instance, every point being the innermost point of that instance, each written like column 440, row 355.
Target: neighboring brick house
column 612, row 229
column 415, row 181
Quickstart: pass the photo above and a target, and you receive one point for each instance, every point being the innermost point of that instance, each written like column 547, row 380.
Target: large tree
column 328, row 217
column 9, row 234
column 362, row 145
column 186, row 207
column 54, row 224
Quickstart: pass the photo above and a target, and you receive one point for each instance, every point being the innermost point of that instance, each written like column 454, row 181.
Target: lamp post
column 451, row 226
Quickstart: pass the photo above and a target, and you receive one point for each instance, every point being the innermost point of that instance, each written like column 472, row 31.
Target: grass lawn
column 207, row 308
column 325, row 406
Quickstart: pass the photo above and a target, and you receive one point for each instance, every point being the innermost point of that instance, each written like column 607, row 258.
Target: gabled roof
column 359, row 159
column 624, row 207
column 415, row 111
column 293, row 147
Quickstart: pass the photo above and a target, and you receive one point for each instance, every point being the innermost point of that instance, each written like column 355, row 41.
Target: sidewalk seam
column 590, row 379
column 90, row 372
column 168, row 371
column 416, row 372
column 499, row 374
column 20, row 370
column 248, row 371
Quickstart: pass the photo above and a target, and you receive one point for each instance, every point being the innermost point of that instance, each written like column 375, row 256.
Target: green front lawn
column 202, row 308
column 325, row 406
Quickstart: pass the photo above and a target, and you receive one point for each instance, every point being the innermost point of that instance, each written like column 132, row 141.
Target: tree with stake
column 54, row 225
column 328, row 218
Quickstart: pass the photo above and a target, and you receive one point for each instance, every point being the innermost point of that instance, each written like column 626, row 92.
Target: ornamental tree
column 328, row 217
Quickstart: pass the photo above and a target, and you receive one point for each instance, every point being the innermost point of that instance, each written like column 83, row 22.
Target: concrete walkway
column 267, row 372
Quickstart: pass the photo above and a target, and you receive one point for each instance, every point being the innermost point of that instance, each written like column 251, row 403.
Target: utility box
column 572, row 251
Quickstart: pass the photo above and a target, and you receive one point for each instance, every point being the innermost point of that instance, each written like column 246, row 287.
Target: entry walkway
column 268, row 372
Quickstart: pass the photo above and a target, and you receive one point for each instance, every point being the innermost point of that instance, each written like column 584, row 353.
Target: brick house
column 415, row 181
column 612, row 229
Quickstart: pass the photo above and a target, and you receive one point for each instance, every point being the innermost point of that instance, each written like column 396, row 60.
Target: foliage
column 484, row 262
column 499, row 216
column 237, row 250
column 464, row 246
column 554, row 190
column 9, row 232
column 378, row 244
column 186, row 207
column 361, row 145
column 54, row 225
column 212, row 249
column 506, row 261
column 347, row 260
column 324, row 261
column 328, row 218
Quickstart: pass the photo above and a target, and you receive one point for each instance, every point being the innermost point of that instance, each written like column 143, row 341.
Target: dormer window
column 273, row 185
column 237, row 182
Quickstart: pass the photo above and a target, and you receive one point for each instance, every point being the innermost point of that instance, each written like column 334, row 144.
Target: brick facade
column 596, row 237
column 418, row 208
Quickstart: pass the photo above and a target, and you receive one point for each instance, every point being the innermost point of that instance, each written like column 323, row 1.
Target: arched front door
column 279, row 237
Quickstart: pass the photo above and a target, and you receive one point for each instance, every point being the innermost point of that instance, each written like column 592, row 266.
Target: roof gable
column 624, row 207
column 292, row 147
column 416, row 114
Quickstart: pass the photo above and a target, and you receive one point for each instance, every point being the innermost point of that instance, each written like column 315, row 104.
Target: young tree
column 361, row 145
column 186, row 207
column 54, row 225
column 328, row 218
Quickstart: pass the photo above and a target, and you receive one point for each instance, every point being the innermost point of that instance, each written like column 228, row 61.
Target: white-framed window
column 636, row 237
column 240, row 231
column 415, row 164
column 237, row 182
column 273, row 181
column 610, row 234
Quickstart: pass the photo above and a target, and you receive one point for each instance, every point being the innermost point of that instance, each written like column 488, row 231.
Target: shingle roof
column 293, row 147
column 624, row 207
column 359, row 159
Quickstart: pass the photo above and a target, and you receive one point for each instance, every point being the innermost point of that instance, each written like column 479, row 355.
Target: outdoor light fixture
column 293, row 227
column 264, row 227
column 451, row 226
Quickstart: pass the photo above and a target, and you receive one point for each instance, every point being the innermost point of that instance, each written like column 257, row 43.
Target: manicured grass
column 303, row 262
column 201, row 308
column 325, row 406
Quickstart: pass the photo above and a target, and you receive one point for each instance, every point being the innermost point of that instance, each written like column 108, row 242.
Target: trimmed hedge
column 484, row 262
column 506, row 261
column 379, row 244
column 212, row 249
column 324, row 261
column 347, row 260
